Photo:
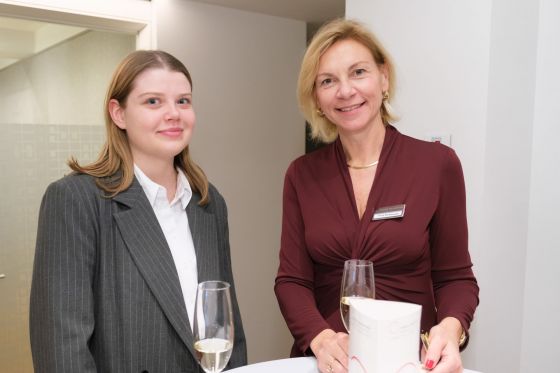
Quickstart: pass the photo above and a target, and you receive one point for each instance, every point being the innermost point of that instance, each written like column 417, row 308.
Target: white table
column 295, row 365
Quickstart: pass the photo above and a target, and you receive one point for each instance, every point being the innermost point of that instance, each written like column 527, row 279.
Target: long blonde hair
column 339, row 29
column 114, row 167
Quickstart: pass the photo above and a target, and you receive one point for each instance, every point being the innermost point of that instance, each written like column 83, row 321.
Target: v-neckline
column 355, row 198
column 348, row 179
column 374, row 193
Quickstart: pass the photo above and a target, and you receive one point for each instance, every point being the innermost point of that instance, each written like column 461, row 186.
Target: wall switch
column 444, row 138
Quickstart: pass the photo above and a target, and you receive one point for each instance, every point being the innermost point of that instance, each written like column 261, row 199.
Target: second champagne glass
column 213, row 325
column 357, row 282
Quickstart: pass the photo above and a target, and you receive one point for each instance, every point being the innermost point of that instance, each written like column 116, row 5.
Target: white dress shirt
column 174, row 223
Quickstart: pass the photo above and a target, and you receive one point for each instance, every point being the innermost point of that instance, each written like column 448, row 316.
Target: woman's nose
column 345, row 89
column 172, row 111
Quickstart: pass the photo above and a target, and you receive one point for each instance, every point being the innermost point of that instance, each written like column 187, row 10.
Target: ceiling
column 314, row 12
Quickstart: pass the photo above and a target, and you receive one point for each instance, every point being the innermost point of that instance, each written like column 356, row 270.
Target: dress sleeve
column 455, row 287
column 295, row 280
column 61, row 304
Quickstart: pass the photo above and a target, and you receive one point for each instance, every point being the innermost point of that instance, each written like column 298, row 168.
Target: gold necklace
column 364, row 166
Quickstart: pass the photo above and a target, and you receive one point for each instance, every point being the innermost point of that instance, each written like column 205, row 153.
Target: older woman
column 331, row 197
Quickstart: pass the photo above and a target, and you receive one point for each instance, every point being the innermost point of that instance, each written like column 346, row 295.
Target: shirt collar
column 154, row 190
column 184, row 191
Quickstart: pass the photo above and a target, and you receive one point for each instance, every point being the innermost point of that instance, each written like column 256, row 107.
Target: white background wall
column 471, row 69
column 244, row 68
column 541, row 311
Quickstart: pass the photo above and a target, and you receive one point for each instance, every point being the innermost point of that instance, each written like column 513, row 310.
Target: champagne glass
column 357, row 282
column 213, row 325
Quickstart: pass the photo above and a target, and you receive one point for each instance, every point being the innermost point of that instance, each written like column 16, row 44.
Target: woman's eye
column 184, row 101
column 359, row 72
column 152, row 101
column 326, row 82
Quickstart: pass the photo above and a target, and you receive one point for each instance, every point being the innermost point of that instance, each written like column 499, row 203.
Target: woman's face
column 349, row 87
column 158, row 116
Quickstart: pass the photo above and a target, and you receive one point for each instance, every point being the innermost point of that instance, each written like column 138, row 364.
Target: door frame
column 128, row 16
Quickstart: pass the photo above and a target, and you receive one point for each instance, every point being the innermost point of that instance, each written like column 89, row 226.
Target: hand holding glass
column 213, row 325
column 357, row 282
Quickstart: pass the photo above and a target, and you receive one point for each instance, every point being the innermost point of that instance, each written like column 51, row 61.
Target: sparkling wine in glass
column 357, row 282
column 213, row 325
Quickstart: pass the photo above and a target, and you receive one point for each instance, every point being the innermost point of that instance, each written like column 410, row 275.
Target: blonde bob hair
column 322, row 128
column 114, row 168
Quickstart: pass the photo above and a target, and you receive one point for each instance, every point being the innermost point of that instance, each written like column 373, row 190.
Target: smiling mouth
column 171, row 131
column 350, row 108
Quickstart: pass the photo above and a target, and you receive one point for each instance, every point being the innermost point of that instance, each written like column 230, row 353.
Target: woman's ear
column 384, row 77
column 116, row 111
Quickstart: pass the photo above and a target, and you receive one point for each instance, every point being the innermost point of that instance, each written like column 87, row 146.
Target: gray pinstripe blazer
column 105, row 295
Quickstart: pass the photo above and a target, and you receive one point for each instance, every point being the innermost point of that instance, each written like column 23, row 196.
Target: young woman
column 123, row 242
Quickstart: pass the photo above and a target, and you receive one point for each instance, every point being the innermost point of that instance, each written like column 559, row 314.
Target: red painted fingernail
column 429, row 364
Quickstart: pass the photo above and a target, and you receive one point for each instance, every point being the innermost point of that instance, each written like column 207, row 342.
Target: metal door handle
column 2, row 276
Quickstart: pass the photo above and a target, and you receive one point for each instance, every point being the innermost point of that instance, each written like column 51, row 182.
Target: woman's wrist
column 316, row 342
column 454, row 330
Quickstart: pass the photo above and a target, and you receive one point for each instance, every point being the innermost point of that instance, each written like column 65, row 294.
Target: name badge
column 389, row 212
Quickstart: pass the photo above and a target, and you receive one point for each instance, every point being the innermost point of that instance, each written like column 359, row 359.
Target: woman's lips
column 172, row 132
column 350, row 108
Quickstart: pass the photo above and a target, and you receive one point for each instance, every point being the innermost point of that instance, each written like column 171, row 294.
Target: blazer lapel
column 148, row 247
column 205, row 238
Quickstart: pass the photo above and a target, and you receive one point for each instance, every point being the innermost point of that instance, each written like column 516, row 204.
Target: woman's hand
column 331, row 350
column 443, row 354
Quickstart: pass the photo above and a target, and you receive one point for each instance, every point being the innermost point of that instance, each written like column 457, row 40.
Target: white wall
column 244, row 67
column 507, row 176
column 470, row 68
column 542, row 277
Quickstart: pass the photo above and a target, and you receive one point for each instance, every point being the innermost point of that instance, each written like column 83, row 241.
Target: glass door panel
column 51, row 108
